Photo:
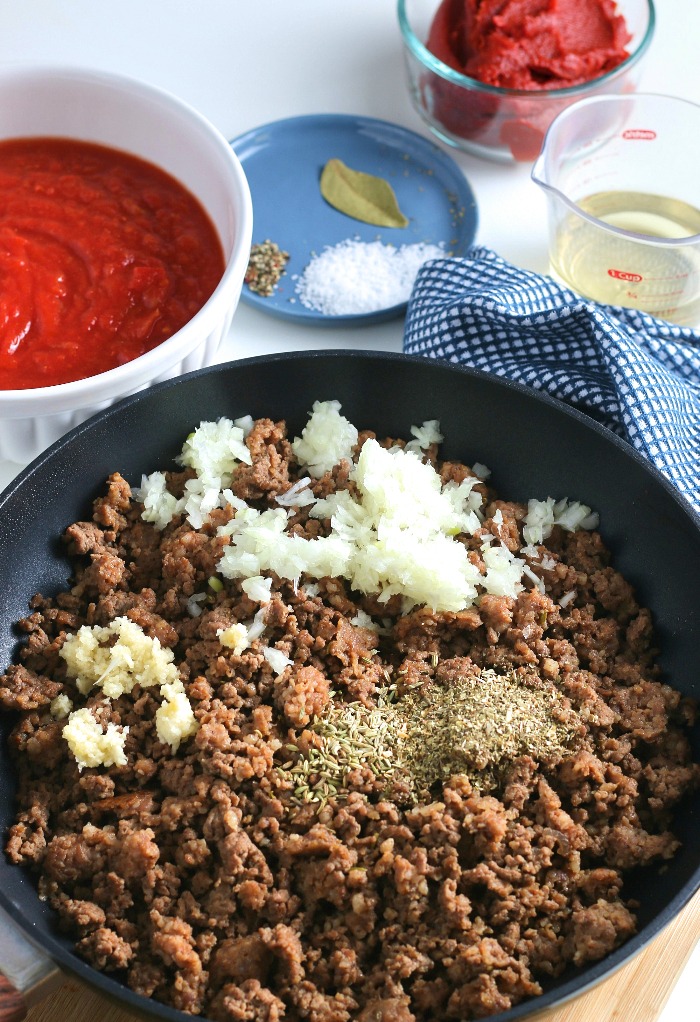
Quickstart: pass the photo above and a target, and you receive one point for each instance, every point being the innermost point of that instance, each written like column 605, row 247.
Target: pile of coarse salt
column 354, row 277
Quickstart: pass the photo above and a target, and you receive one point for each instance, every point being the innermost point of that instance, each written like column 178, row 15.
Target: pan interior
column 534, row 447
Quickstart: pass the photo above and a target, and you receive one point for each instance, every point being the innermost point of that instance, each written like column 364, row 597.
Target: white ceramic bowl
column 154, row 125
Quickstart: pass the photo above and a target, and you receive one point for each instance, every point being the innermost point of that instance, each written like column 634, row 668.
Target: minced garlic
column 93, row 658
column 175, row 720
column 60, row 707
column 234, row 637
column 116, row 658
column 90, row 744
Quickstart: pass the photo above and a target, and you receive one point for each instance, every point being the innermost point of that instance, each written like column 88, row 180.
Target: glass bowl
column 503, row 124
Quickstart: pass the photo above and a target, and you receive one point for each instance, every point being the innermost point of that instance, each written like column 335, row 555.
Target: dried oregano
column 475, row 725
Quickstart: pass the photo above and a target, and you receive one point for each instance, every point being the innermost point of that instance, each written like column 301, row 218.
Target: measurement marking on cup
column 633, row 278
column 639, row 134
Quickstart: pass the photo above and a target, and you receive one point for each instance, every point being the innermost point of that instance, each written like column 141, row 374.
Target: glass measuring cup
column 623, row 194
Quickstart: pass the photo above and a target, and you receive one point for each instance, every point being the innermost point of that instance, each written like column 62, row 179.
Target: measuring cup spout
column 556, row 201
column 537, row 172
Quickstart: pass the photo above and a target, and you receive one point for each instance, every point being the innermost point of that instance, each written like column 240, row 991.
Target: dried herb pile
column 266, row 266
column 475, row 725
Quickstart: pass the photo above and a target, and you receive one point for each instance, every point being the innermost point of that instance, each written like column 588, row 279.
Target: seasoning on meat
column 476, row 725
column 375, row 806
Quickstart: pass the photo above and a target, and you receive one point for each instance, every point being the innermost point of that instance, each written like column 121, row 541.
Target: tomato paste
column 530, row 44
column 102, row 257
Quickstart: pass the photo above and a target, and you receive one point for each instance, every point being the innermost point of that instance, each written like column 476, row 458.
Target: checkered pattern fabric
column 637, row 375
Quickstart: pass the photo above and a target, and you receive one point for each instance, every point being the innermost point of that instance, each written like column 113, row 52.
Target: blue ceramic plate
column 283, row 163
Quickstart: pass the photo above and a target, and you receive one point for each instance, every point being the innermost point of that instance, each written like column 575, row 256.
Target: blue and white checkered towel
column 638, row 375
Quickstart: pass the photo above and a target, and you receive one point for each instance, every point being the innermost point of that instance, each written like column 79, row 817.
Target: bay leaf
column 361, row 196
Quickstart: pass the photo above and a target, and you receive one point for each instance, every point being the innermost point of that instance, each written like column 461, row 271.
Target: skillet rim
column 330, row 354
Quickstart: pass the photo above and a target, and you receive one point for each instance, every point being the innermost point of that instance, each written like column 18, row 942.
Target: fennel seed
column 474, row 725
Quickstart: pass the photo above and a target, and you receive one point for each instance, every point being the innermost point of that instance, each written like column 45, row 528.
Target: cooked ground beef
column 201, row 880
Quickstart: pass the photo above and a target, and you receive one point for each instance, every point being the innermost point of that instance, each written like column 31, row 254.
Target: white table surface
column 243, row 63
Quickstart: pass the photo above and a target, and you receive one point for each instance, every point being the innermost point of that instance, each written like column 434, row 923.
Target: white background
column 243, row 63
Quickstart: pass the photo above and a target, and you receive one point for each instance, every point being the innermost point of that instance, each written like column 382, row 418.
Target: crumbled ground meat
column 201, row 880
column 26, row 690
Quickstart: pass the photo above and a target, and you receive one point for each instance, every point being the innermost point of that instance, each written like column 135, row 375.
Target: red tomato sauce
column 103, row 256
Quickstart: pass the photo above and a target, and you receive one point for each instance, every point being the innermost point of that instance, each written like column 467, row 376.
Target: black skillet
column 535, row 447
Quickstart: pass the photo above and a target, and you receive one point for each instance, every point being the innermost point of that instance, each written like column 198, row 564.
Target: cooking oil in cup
column 623, row 202
column 613, row 267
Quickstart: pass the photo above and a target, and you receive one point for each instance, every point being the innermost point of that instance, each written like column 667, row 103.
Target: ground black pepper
column 265, row 267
